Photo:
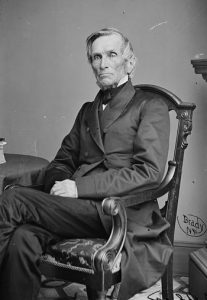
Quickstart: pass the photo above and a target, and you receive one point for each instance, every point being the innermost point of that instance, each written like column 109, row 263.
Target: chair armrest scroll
column 106, row 256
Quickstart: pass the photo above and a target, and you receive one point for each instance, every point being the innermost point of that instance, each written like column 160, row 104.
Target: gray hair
column 127, row 46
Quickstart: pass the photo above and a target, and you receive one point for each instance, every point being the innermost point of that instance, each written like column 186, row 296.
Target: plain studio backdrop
column 45, row 76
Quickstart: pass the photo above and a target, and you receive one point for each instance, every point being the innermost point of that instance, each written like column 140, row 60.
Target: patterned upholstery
column 77, row 253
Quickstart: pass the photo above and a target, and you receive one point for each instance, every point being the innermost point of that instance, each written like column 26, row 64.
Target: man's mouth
column 104, row 74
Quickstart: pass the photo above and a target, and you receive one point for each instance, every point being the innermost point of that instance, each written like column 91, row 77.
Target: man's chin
column 104, row 85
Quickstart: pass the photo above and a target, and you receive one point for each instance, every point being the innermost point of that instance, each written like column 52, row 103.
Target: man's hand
column 65, row 188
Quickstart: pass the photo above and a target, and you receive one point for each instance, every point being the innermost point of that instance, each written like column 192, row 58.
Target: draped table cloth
column 21, row 169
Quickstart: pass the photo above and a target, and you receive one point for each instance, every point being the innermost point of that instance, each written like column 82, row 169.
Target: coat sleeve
column 65, row 162
column 148, row 163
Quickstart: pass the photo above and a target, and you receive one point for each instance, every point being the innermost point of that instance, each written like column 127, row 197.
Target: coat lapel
column 93, row 122
column 116, row 107
column 113, row 110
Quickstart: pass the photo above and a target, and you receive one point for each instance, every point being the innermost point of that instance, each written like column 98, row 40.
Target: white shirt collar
column 123, row 80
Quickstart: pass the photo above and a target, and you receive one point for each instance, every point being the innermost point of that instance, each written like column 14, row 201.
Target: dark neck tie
column 106, row 96
column 109, row 94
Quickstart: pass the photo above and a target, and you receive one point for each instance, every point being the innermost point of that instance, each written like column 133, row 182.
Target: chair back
column 171, row 181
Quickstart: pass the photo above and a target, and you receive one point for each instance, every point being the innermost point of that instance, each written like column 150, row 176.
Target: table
column 21, row 169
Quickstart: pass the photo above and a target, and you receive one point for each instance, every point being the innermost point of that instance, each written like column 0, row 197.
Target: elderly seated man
column 118, row 146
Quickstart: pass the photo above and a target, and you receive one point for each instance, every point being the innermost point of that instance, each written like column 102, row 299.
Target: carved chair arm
column 167, row 180
column 106, row 256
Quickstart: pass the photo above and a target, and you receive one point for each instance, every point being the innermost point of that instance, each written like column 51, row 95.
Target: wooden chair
column 96, row 262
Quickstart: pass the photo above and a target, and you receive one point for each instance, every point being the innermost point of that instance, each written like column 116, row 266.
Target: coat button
column 87, row 129
column 86, row 153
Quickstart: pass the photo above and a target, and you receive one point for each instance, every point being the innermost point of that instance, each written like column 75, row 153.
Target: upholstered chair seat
column 77, row 254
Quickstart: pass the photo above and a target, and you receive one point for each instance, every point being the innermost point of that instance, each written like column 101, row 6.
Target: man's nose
column 104, row 62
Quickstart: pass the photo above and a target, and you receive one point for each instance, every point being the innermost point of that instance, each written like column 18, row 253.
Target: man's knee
column 24, row 242
column 15, row 202
column 7, row 195
column 11, row 196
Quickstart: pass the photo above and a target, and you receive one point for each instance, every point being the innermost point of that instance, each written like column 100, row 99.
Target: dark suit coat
column 127, row 156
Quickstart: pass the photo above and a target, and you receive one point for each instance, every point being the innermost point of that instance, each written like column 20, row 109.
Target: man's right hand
column 65, row 188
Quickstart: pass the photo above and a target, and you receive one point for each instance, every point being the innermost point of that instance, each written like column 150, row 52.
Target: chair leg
column 95, row 295
column 115, row 292
column 167, row 282
column 101, row 295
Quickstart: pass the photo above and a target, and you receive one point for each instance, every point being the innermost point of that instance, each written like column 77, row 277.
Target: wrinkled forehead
column 106, row 43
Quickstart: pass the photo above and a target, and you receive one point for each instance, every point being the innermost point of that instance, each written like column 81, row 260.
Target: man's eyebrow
column 96, row 53
column 112, row 50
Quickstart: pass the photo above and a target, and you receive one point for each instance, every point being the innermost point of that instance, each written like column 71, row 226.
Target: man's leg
column 65, row 217
column 20, row 277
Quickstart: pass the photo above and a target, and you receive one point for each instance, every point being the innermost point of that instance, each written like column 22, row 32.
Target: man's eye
column 113, row 54
column 96, row 57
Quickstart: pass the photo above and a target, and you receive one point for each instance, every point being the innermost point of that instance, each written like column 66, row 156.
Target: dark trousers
column 29, row 221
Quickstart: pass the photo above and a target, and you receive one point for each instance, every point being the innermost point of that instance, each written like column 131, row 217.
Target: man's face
column 108, row 63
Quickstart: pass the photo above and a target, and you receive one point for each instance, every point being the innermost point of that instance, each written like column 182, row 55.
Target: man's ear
column 130, row 64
